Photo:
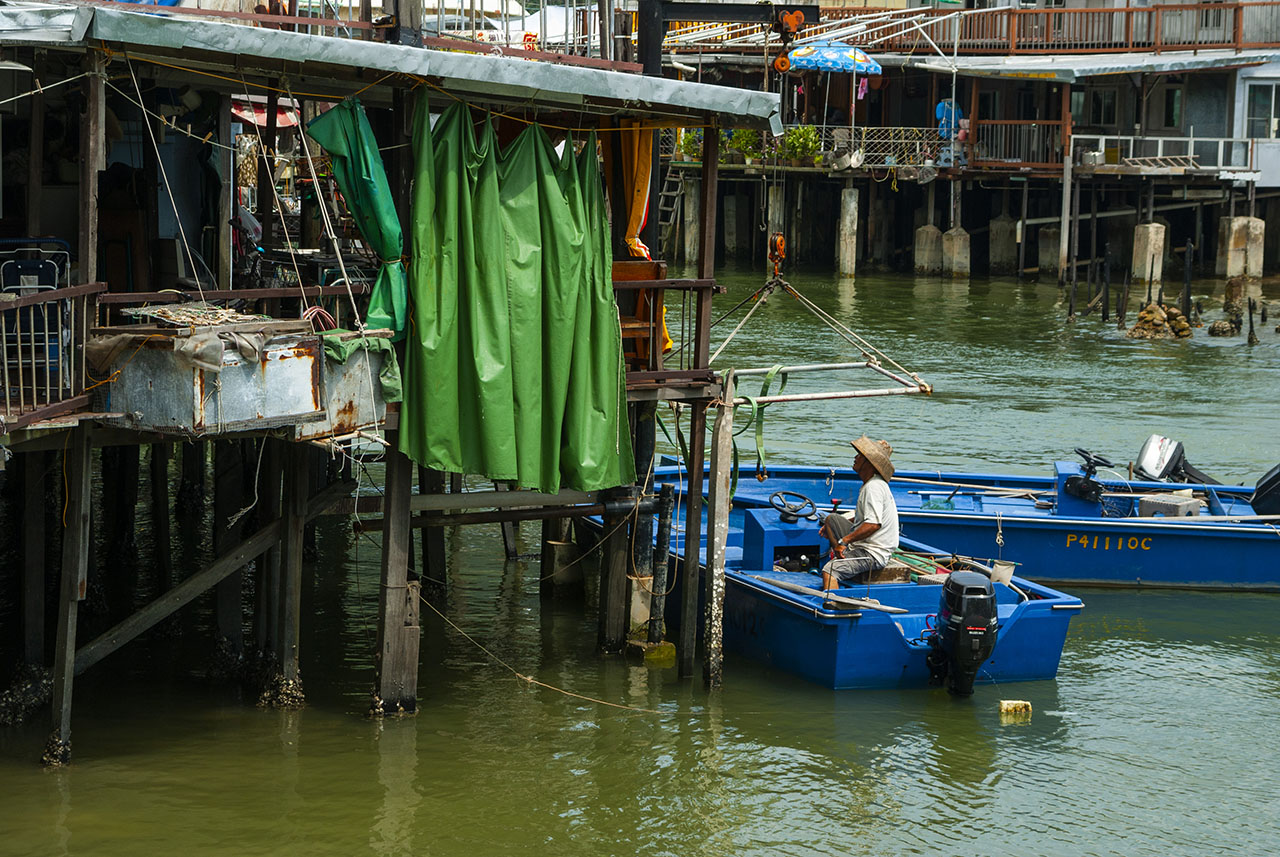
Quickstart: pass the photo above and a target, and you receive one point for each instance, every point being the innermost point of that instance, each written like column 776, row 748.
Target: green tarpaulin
column 357, row 165
column 513, row 355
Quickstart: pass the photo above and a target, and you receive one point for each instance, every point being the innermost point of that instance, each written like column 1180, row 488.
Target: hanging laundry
column 862, row 89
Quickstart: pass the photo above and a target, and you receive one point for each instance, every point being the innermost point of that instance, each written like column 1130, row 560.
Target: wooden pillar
column 33, row 557
column 1075, row 248
column 75, row 568
column 1022, row 231
column 191, row 485
column 435, row 571
column 642, row 542
column 160, row 529
column 717, row 537
column 226, row 192
column 396, row 685
column 692, row 539
column 1064, row 225
column 270, row 506
column 612, row 629
column 296, row 485
column 509, row 546
column 92, row 160
column 661, row 561
column 228, row 499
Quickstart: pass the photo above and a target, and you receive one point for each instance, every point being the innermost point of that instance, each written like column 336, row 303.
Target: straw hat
column 877, row 453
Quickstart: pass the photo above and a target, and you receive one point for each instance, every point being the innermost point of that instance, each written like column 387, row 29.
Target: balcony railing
column 1164, row 27
column 1015, row 144
column 42, row 336
column 1224, row 154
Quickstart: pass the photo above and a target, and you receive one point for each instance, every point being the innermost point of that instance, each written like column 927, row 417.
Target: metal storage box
column 166, row 381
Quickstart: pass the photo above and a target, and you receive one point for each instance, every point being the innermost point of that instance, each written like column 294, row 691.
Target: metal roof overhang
column 1072, row 69
column 481, row 78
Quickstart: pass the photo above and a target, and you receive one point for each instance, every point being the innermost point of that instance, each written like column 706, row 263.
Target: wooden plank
column 75, row 565
column 673, row 285
column 637, row 270
column 434, row 555
column 455, row 501
column 267, row 626
column 396, row 684
column 228, row 295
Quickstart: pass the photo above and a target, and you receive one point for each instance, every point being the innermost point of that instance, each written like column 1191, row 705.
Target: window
column 1077, row 106
column 1261, row 111
column 1102, row 107
column 1172, row 117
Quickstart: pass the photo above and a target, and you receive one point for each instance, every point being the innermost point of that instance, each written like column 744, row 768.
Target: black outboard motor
column 966, row 631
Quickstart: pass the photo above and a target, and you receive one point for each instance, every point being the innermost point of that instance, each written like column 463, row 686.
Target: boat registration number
column 1106, row 543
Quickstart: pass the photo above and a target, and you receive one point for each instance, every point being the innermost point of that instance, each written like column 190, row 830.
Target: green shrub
column 745, row 141
column 801, row 142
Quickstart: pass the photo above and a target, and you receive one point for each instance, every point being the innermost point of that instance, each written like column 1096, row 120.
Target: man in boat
column 863, row 545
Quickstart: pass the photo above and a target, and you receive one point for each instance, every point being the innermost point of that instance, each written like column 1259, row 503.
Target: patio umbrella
column 832, row 56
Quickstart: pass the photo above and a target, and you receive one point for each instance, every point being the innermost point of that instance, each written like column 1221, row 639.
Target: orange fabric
column 634, row 145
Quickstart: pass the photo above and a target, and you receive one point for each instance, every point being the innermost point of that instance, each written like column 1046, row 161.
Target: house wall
column 1266, row 151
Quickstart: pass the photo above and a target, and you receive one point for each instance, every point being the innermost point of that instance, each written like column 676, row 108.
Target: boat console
column 768, row 540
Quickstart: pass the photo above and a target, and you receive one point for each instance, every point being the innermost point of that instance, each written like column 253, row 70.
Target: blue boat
column 909, row 628
column 1073, row 528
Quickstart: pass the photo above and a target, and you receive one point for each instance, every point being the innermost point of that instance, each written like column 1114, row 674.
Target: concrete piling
column 1240, row 246
column 847, row 237
column 955, row 253
column 1148, row 252
column 928, row 250
column 1002, row 252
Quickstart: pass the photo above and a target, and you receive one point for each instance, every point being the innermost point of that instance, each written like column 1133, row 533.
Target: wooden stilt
column 612, row 631
column 717, row 536
column 228, row 499
column 191, row 486
column 508, row 527
column 270, row 509
column 75, row 569
column 661, row 560
column 642, row 545
column 434, row 571
column 160, row 513
column 296, row 482
column 33, row 558
column 396, row 685
column 692, row 539
column 555, row 541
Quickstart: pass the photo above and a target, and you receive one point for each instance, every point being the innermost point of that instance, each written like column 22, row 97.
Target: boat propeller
column 792, row 506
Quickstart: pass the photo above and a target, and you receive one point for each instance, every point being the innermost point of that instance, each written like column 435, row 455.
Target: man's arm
column 862, row 531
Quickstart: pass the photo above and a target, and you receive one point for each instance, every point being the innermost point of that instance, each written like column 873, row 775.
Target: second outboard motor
column 1163, row 459
column 966, row 631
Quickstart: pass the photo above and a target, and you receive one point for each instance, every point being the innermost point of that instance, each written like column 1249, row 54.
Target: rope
column 41, row 88
column 522, row 676
column 763, row 298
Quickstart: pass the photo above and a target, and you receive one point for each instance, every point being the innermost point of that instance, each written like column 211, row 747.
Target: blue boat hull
column 767, row 620
column 1056, row 548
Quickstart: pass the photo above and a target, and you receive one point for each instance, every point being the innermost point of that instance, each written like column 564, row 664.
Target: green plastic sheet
column 357, row 165
column 339, row 347
column 513, row 358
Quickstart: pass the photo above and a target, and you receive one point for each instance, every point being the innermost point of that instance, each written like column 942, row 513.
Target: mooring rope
column 527, row 678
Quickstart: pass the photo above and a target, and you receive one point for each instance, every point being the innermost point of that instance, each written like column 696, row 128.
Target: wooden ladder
column 669, row 210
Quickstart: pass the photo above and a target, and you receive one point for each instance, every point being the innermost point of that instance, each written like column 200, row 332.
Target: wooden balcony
column 1010, row 31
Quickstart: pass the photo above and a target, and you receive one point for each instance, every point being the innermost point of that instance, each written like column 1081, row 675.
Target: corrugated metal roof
column 484, row 78
column 1069, row 69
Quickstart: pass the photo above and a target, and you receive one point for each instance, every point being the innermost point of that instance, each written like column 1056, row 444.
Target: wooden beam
column 76, row 462
column 434, row 556
column 186, row 591
column 228, row 497
column 612, row 626
column 471, row 500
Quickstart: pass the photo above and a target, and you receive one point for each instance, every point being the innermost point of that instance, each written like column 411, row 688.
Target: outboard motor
column 966, row 634
column 1163, row 459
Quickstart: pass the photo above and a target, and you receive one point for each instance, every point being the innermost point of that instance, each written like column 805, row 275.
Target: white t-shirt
column 875, row 504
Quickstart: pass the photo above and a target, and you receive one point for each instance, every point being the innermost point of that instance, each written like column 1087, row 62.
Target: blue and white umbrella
column 832, row 56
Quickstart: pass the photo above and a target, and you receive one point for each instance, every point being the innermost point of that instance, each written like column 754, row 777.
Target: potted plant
column 691, row 145
column 747, row 144
column 801, row 143
column 728, row 154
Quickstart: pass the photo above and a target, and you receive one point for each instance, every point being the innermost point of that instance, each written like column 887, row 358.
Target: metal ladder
column 669, row 210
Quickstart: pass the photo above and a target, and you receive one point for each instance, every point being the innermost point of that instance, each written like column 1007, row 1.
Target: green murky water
column 1154, row 740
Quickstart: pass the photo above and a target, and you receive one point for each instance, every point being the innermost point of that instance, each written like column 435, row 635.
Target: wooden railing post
column 1157, row 24
column 1238, row 16
column 1012, row 15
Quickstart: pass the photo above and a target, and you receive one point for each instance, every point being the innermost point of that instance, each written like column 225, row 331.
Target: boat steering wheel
column 788, row 511
column 1092, row 462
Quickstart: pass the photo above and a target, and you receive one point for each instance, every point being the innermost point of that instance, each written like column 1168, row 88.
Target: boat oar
column 860, row 603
